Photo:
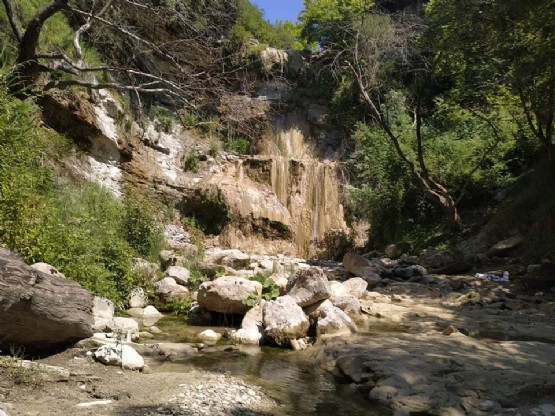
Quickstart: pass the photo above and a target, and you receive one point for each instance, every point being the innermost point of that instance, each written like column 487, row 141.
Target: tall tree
column 500, row 48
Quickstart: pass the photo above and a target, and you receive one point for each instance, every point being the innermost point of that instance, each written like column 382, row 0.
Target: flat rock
column 226, row 294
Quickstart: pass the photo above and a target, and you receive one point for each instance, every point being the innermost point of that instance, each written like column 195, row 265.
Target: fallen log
column 39, row 311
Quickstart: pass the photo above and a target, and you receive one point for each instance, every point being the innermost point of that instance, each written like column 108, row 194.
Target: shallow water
column 293, row 379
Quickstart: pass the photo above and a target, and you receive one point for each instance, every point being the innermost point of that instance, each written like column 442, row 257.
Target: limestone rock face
column 251, row 330
column 309, row 286
column 284, row 320
column 226, row 294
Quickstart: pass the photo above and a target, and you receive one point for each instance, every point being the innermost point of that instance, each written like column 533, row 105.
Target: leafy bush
column 191, row 163
column 269, row 290
column 140, row 228
column 237, row 145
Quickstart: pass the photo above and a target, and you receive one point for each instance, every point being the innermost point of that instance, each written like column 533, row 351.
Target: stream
column 295, row 380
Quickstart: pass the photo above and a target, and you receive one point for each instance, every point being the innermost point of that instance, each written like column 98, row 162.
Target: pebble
column 218, row 395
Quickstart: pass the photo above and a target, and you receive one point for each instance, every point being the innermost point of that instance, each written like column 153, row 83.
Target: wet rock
column 137, row 298
column 179, row 274
column 284, row 320
column 198, row 316
column 226, row 294
column 309, row 286
column 209, row 336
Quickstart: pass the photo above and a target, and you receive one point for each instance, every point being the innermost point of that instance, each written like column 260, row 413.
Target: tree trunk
column 38, row 310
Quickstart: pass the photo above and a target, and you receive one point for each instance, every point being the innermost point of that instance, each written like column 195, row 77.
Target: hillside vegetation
column 447, row 106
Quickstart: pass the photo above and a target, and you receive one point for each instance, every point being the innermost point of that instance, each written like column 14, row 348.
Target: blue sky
column 280, row 9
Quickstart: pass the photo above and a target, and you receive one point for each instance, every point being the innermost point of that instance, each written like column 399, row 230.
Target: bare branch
column 18, row 33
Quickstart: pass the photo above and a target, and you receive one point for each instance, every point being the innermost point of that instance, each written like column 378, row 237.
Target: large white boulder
column 332, row 321
column 168, row 289
column 137, row 298
column 179, row 273
column 209, row 336
column 226, row 294
column 251, row 330
column 284, row 320
column 48, row 269
column 309, row 286
column 123, row 356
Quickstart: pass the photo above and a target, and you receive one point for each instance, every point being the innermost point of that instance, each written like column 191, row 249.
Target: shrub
column 191, row 163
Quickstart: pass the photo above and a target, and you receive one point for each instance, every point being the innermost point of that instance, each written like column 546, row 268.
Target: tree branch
column 18, row 33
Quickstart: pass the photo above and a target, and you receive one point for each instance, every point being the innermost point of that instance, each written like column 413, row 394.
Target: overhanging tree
column 170, row 54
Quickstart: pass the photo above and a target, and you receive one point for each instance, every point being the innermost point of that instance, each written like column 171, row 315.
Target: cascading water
column 307, row 186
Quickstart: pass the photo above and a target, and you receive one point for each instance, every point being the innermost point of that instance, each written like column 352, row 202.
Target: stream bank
column 454, row 345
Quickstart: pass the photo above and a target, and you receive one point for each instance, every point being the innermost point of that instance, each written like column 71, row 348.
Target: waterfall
column 307, row 186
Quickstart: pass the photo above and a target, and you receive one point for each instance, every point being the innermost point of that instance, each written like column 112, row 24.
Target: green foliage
column 163, row 116
column 269, row 290
column 180, row 306
column 237, row 145
column 191, row 163
column 250, row 24
column 139, row 225
column 196, row 279
column 335, row 244
column 324, row 21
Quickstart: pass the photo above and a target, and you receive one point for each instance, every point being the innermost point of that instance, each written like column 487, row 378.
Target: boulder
column 137, row 298
column 151, row 315
column 168, row 289
column 369, row 270
column 226, row 294
column 350, row 305
column 123, row 356
column 179, row 274
column 167, row 259
column 147, row 270
column 505, row 246
column 406, row 272
column 212, row 270
column 39, row 310
column 209, row 336
column 284, row 320
column 393, row 251
column 330, row 320
column 103, row 308
column 309, row 286
column 251, row 330
column 48, row 269
column 444, row 261
column 231, row 258
column 124, row 327
column 355, row 287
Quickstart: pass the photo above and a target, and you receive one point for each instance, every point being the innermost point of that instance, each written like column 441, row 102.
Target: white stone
column 284, row 320
column 48, row 269
column 103, row 308
column 95, row 403
column 180, row 274
column 226, row 294
column 137, row 298
column 251, row 330
column 209, row 336
column 119, row 355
